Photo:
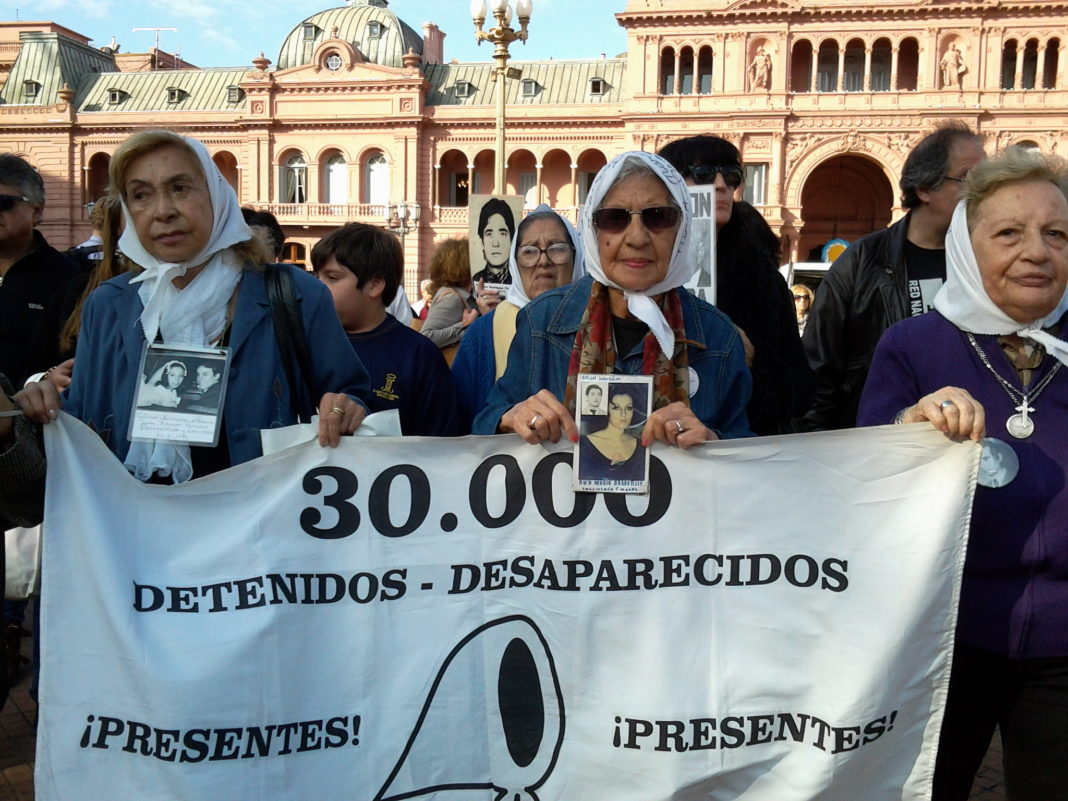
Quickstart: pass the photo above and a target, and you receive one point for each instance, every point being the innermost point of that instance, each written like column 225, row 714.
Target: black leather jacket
column 863, row 294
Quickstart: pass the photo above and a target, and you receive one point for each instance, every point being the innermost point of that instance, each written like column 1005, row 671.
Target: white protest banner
column 417, row 618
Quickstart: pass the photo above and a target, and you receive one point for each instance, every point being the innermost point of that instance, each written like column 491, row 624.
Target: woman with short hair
column 988, row 362
column 199, row 280
column 628, row 315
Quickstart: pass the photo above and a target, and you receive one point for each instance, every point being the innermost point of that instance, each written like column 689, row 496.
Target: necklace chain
column 1013, row 392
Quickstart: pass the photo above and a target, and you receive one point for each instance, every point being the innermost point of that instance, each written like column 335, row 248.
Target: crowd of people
column 953, row 317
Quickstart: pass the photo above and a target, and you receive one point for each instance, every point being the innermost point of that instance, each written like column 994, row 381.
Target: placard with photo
column 703, row 242
column 492, row 221
column 180, row 398
column 612, row 411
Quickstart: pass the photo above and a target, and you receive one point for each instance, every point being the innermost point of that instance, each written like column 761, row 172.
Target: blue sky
column 229, row 33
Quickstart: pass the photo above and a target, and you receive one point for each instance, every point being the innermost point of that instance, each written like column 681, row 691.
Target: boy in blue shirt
column 362, row 266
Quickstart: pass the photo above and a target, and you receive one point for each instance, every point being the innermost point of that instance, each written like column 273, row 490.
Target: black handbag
column 289, row 334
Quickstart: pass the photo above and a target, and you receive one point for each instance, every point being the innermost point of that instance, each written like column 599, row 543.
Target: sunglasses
column 556, row 253
column 706, row 174
column 7, row 202
column 801, row 297
column 655, row 218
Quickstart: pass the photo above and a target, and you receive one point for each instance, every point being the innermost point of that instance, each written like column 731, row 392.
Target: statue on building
column 953, row 68
column 760, row 70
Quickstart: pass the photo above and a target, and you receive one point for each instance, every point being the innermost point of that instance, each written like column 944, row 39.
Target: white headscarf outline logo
column 529, row 711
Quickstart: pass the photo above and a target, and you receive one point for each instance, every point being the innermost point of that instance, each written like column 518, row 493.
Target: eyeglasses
column 655, row 218
column 7, row 202
column 556, row 253
column 800, row 297
column 733, row 175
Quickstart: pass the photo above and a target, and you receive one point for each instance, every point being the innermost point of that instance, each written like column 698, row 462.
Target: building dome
column 378, row 34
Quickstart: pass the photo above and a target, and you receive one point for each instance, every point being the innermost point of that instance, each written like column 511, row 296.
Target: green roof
column 353, row 24
column 554, row 83
column 197, row 90
column 50, row 60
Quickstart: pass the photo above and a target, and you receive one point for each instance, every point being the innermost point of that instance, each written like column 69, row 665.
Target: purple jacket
column 1014, row 599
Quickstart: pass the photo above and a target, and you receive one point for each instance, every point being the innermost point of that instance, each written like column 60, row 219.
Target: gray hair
column 16, row 171
column 1011, row 166
column 631, row 167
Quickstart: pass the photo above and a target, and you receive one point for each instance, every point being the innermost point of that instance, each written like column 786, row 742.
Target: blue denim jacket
column 257, row 395
column 545, row 335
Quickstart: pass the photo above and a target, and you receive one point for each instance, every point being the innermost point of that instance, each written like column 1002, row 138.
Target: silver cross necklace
column 1020, row 425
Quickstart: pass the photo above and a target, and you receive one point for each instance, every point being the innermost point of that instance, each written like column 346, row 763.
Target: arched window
column 880, row 65
column 704, row 70
column 686, row 70
column 293, row 182
column 854, row 66
column 667, row 71
column 98, row 176
column 827, row 75
column 908, row 65
column 1049, row 64
column 376, row 180
column 1030, row 65
column 801, row 67
column 336, row 180
column 1008, row 65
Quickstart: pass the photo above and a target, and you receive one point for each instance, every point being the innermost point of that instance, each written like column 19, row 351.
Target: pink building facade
column 359, row 116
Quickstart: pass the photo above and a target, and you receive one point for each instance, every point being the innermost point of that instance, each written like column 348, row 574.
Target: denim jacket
column 545, row 334
column 257, row 394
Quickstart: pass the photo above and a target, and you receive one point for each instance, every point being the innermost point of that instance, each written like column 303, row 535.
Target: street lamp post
column 501, row 35
column 398, row 215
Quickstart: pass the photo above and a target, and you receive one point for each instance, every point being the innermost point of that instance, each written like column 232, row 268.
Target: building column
column 1062, row 71
column 841, row 69
column 537, row 182
column 678, row 72
column 574, row 185
column 1017, row 78
column 893, row 68
column 815, row 83
column 471, row 182
column 435, row 190
column 867, row 69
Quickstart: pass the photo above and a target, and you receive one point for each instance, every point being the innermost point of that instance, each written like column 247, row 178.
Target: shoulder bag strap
column 289, row 334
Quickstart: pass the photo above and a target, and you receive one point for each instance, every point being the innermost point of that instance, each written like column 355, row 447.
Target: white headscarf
column 197, row 314
column 194, row 315
column 681, row 267
column 517, row 293
column 963, row 301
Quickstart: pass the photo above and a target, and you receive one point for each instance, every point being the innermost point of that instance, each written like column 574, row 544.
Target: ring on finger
column 534, row 421
column 946, row 404
column 679, row 427
column 338, row 411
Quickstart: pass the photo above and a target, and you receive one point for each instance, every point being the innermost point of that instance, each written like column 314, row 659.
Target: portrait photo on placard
column 609, row 455
column 703, row 243
column 181, row 395
column 492, row 221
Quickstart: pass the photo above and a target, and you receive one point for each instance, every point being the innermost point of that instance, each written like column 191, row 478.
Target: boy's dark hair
column 367, row 252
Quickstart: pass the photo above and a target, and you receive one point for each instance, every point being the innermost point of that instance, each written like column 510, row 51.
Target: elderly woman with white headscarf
column 988, row 363
column 629, row 315
column 199, row 282
column 546, row 253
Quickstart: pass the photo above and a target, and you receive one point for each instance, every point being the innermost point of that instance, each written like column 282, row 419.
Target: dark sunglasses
column 655, row 218
column 7, row 202
column 706, row 174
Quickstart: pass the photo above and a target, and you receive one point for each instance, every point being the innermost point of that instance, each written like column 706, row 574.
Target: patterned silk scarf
column 594, row 350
